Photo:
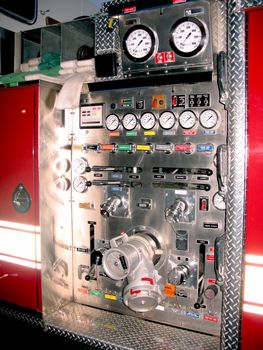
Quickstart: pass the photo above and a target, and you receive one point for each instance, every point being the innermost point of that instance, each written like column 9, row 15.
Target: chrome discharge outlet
column 133, row 258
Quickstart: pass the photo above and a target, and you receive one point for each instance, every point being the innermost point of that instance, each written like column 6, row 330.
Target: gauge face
column 219, row 201
column 187, row 119
column 167, row 120
column 129, row 121
column 148, row 120
column 139, row 43
column 80, row 165
column 188, row 36
column 80, row 184
column 112, row 122
column 208, row 119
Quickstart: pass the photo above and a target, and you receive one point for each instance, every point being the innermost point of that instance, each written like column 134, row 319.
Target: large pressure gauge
column 80, row 184
column 167, row 120
column 139, row 43
column 80, row 165
column 112, row 122
column 188, row 36
column 208, row 119
column 219, row 201
column 187, row 119
column 148, row 121
column 129, row 121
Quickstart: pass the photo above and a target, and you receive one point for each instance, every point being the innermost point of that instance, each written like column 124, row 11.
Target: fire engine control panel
column 148, row 187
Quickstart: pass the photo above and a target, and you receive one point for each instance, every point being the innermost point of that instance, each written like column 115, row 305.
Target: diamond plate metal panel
column 245, row 4
column 13, row 313
column 106, row 5
column 236, row 183
column 108, row 330
column 219, row 25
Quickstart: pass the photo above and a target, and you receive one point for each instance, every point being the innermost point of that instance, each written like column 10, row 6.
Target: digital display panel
column 91, row 116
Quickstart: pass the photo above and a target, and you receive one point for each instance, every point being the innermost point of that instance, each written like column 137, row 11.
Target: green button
column 95, row 293
column 126, row 148
column 131, row 133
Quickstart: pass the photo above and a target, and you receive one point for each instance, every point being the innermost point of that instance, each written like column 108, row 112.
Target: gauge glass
column 129, row 121
column 148, row 120
column 139, row 43
column 188, row 36
column 167, row 120
column 187, row 119
column 219, row 201
column 80, row 184
column 80, row 165
column 112, row 122
column 208, row 119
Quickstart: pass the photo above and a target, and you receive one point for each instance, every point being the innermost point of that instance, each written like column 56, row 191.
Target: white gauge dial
column 80, row 165
column 139, row 43
column 187, row 119
column 80, row 184
column 112, row 122
column 167, row 120
column 188, row 36
column 129, row 121
column 219, row 201
column 148, row 120
column 208, row 118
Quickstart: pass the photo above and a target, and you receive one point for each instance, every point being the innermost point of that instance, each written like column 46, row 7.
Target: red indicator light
column 210, row 257
column 211, row 318
column 211, row 281
column 129, row 9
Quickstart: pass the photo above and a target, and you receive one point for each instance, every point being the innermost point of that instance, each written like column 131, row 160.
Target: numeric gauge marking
column 188, row 36
column 112, row 122
column 187, row 119
column 139, row 43
column 167, row 120
column 219, row 201
column 147, row 120
column 80, row 165
column 129, row 121
column 208, row 118
column 80, row 184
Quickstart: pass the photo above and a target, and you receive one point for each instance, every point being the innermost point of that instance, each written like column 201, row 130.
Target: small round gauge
column 188, row 36
column 187, row 119
column 112, row 122
column 208, row 118
column 80, row 184
column 147, row 120
column 139, row 43
column 129, row 121
column 80, row 165
column 219, row 201
column 167, row 120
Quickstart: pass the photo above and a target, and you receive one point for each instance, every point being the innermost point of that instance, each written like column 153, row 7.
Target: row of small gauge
column 167, row 120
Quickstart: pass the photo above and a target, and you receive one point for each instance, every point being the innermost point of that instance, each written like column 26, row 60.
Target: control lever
column 222, row 168
column 219, row 260
column 222, row 77
column 96, row 261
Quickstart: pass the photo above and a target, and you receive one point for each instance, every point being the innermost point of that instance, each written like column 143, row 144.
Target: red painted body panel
column 252, row 324
column 19, row 164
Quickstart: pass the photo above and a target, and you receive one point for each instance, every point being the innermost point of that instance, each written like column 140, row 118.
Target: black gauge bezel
column 217, row 118
column 175, row 120
column 125, row 116
column 180, row 116
column 153, row 39
column 202, row 42
column 154, row 119
column 106, row 122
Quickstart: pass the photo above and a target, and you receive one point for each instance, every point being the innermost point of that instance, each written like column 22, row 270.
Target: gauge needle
column 187, row 36
column 138, row 45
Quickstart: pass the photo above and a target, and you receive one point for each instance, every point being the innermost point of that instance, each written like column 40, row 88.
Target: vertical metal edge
column 237, row 140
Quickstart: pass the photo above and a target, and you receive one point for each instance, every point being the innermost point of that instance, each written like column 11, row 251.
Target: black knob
column 85, row 52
